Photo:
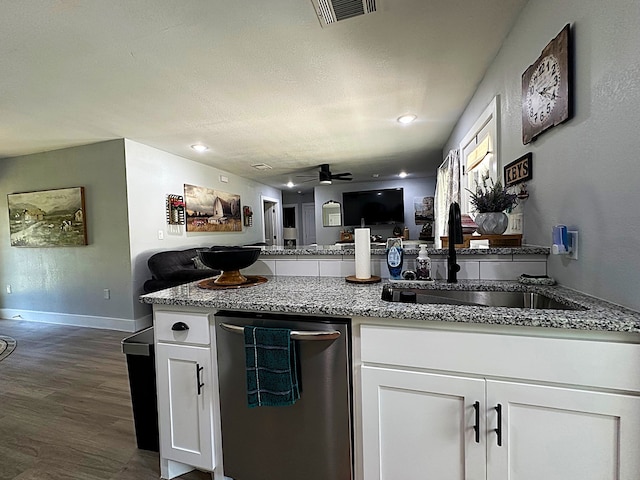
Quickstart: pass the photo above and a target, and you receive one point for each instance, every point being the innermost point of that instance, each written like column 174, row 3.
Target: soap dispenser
column 395, row 257
column 423, row 264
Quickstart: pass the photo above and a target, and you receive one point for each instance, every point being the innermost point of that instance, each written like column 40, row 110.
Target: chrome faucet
column 455, row 236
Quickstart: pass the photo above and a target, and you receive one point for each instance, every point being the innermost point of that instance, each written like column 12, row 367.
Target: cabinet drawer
column 550, row 360
column 176, row 327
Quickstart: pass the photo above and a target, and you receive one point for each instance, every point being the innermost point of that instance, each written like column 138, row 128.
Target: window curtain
column 447, row 191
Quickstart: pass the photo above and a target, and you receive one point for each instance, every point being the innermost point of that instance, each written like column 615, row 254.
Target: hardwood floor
column 65, row 408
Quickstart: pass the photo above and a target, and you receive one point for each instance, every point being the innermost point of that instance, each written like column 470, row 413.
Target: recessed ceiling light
column 403, row 174
column 407, row 118
column 198, row 147
column 290, row 184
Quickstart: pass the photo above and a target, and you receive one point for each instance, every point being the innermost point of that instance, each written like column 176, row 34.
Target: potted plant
column 491, row 200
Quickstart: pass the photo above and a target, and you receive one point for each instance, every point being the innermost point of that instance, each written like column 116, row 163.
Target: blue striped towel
column 271, row 367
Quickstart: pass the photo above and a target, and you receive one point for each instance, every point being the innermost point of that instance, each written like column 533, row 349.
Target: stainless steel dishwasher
column 311, row 439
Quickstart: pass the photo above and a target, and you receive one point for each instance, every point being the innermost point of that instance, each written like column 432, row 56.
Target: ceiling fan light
column 324, row 177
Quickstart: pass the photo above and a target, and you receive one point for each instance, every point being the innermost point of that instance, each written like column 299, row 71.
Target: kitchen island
column 446, row 388
column 333, row 296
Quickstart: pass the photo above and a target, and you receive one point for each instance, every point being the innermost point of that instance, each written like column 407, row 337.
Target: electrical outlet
column 8, row 288
column 573, row 241
column 160, row 235
column 107, row 294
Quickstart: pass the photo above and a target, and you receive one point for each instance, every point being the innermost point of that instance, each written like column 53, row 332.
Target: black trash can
column 142, row 383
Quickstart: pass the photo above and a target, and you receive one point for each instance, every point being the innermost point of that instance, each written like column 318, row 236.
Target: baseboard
column 106, row 323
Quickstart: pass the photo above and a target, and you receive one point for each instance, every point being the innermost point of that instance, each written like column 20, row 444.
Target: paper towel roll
column 363, row 253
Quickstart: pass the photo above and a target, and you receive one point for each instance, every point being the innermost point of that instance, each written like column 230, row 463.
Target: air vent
column 261, row 166
column 331, row 11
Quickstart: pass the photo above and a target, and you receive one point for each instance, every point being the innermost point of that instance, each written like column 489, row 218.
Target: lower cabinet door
column 185, row 404
column 561, row 434
column 419, row 426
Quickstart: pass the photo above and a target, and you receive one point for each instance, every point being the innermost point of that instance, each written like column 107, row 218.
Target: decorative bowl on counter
column 229, row 259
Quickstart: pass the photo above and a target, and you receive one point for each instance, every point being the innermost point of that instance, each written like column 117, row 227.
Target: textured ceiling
column 256, row 81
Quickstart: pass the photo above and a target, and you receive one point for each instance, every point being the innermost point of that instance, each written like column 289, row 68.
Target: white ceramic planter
column 492, row 223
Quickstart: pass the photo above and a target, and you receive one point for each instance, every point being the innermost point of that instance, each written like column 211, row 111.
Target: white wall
column 418, row 187
column 586, row 171
column 151, row 174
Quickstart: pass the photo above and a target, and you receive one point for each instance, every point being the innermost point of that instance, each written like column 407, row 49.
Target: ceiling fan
column 325, row 176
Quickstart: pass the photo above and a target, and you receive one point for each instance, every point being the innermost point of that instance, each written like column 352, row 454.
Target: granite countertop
column 411, row 249
column 333, row 296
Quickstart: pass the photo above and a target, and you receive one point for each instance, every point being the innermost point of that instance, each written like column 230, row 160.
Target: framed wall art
column 248, row 216
column 47, row 218
column 423, row 207
column 211, row 210
column 175, row 210
column 518, row 171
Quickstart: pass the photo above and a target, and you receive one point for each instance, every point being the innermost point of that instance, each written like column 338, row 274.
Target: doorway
column 290, row 223
column 308, row 223
column 271, row 221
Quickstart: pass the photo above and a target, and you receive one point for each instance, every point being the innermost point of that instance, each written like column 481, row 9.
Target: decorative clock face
column 546, row 88
column 543, row 90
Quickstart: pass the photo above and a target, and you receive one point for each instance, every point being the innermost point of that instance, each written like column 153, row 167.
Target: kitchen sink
column 476, row 298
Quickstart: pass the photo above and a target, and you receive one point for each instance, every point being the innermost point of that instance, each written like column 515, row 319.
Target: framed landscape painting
column 211, row 210
column 47, row 218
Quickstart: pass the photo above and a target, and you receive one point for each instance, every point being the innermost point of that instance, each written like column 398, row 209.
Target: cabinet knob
column 179, row 326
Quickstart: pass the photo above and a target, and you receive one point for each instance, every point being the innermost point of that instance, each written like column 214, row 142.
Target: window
column 479, row 153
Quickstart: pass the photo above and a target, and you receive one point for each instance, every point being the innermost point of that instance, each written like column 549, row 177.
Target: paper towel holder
column 362, row 252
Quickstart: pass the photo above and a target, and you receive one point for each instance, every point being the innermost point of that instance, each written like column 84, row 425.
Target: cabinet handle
column 476, row 427
column 295, row 335
column 498, row 430
column 179, row 326
column 200, row 384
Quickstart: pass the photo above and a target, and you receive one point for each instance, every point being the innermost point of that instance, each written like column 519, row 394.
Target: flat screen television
column 377, row 207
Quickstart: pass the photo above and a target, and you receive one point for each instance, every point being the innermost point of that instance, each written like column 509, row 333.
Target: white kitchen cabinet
column 420, row 426
column 186, row 394
column 419, row 391
column 557, row 433
column 184, row 404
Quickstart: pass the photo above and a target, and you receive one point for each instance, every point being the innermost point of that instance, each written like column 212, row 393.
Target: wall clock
column 546, row 88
